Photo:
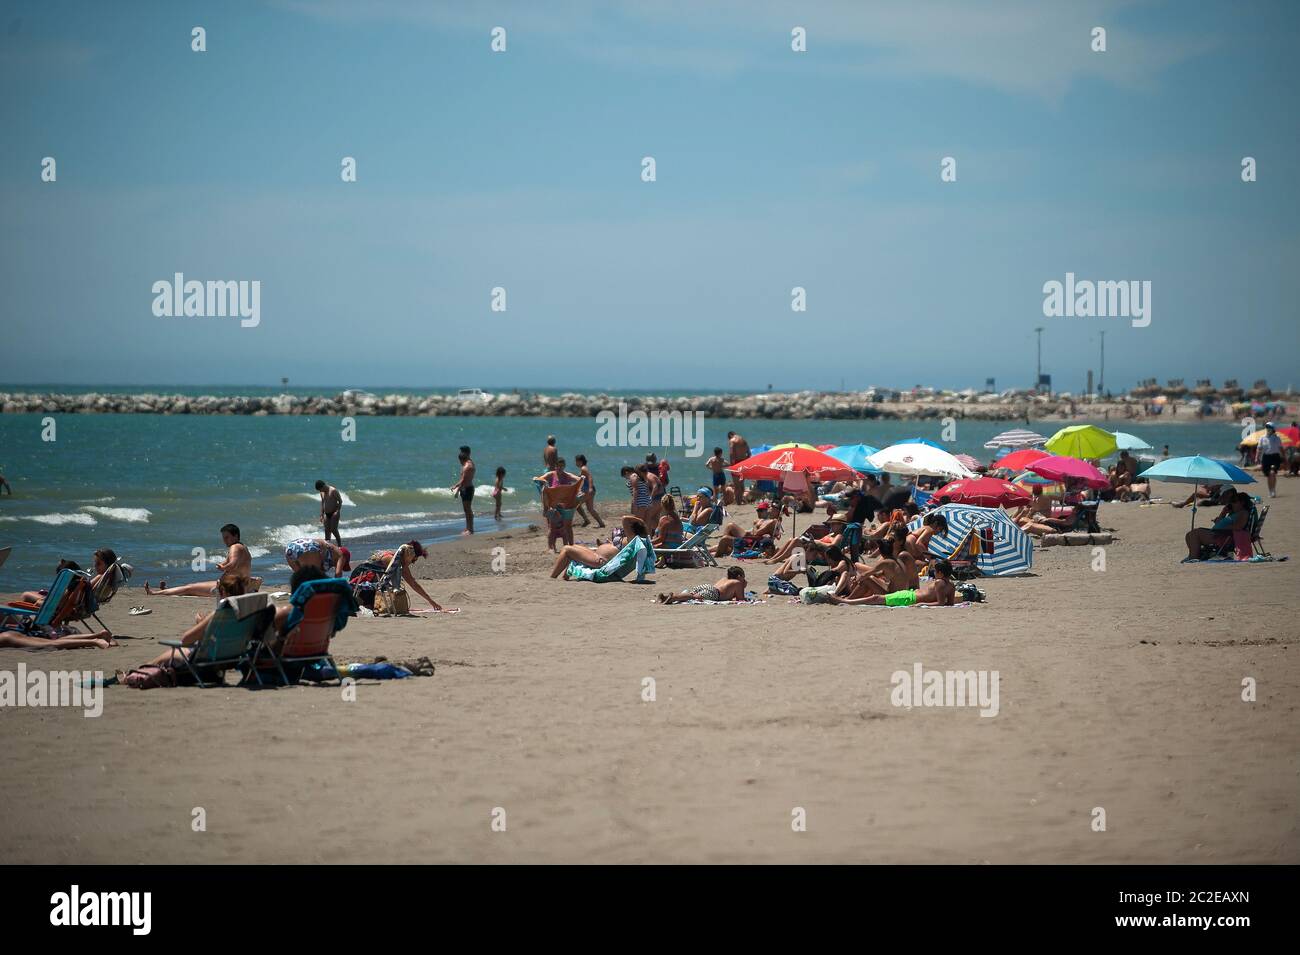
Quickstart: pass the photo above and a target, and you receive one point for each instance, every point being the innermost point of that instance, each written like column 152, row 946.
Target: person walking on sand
column 464, row 487
column 331, row 505
column 1270, row 456
column 549, row 453
column 738, row 448
column 498, row 488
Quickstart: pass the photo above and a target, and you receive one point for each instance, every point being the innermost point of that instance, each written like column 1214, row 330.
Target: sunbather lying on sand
column 14, row 640
column 938, row 592
column 601, row 553
column 731, row 587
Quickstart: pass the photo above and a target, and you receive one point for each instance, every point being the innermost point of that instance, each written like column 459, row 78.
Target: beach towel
column 751, row 600
column 636, row 556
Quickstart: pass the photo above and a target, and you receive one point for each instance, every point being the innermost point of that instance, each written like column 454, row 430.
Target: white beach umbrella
column 919, row 459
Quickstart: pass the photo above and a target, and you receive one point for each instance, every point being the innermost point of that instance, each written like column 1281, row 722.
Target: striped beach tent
column 1016, row 438
column 1011, row 550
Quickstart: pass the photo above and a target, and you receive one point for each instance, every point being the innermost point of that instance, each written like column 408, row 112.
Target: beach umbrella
column 917, row 459
column 1012, row 551
column 855, row 456
column 926, row 441
column 1255, row 437
column 970, row 462
column 983, row 492
column 1031, row 480
column 1130, row 442
column 1061, row 468
column 1019, row 460
column 1083, row 441
column 1016, row 438
column 1197, row 470
column 781, row 461
column 824, row 447
column 1293, row 433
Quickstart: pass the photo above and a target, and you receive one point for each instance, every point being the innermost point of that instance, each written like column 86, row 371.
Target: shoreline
column 801, row 405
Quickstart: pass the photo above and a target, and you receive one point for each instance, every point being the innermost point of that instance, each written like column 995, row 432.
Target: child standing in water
column 497, row 488
column 587, row 495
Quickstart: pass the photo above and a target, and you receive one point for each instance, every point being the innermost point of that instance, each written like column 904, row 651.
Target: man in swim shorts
column 731, row 587
column 331, row 505
column 938, row 592
column 464, row 487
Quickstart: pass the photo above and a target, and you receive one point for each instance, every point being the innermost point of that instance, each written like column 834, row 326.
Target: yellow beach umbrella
column 1083, row 441
column 1254, row 438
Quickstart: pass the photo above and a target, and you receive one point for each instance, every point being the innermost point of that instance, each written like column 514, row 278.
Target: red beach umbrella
column 1020, row 460
column 780, row 463
column 983, row 492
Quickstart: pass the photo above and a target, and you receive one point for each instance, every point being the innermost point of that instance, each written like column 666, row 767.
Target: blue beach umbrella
column 855, row 456
column 1197, row 470
column 1129, row 442
column 1013, row 551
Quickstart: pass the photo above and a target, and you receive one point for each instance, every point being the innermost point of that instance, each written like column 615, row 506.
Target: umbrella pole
column 1195, row 488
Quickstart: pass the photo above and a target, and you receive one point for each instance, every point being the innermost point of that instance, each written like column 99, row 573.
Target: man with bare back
column 331, row 505
column 738, row 449
column 238, row 562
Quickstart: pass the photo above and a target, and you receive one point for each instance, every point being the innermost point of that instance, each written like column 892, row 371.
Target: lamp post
column 1038, row 373
column 1101, row 380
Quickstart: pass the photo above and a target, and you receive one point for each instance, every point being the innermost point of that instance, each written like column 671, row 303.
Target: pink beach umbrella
column 1060, row 468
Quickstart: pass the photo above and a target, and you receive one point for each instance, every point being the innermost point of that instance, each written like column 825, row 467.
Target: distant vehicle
column 472, row 394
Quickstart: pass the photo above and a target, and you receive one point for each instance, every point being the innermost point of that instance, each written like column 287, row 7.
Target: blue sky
column 522, row 170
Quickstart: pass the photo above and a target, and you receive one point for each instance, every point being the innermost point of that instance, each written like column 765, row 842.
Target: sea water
column 155, row 487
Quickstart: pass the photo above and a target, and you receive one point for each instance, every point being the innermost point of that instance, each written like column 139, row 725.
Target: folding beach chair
column 235, row 624
column 1256, row 529
column 61, row 601
column 319, row 609
column 94, row 598
column 696, row 547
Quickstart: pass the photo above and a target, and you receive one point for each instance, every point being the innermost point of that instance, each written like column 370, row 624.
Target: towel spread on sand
column 443, row 610
column 956, row 606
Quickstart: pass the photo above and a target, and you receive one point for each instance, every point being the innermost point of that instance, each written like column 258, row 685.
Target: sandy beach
column 1119, row 689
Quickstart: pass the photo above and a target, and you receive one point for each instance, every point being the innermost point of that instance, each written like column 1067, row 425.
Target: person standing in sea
column 331, row 505
column 738, row 448
column 464, row 488
column 549, row 453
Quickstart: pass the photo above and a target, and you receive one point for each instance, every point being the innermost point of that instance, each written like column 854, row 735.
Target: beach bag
column 149, row 676
column 776, row 585
column 392, row 603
